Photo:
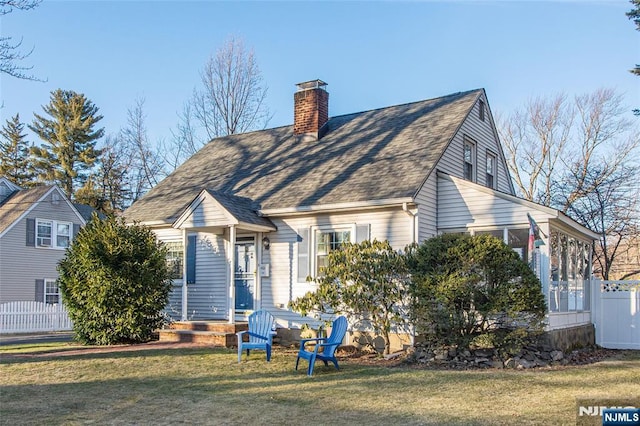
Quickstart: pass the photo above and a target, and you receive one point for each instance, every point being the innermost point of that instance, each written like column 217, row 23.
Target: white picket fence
column 615, row 312
column 29, row 317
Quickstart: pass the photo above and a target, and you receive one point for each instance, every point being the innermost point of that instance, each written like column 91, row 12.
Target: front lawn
column 201, row 385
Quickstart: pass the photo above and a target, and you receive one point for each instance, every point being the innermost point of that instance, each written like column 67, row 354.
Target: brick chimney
column 311, row 109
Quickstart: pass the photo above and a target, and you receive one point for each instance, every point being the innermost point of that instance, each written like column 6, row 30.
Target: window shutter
column 303, row 254
column 76, row 229
column 191, row 259
column 31, row 232
column 39, row 290
column 362, row 233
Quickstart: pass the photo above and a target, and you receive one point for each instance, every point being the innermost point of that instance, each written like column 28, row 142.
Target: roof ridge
column 355, row 113
column 466, row 92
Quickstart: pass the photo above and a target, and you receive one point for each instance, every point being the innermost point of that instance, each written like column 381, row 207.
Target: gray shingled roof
column 372, row 155
column 243, row 209
column 18, row 203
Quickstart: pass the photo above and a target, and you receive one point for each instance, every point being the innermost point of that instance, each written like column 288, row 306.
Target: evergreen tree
column 70, row 139
column 14, row 153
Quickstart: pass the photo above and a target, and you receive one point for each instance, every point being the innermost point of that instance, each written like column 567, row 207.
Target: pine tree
column 70, row 138
column 15, row 163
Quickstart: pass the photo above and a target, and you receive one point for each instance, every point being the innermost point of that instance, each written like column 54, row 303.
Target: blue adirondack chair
column 260, row 334
column 325, row 346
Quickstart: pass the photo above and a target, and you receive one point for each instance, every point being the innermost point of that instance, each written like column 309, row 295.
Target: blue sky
column 372, row 54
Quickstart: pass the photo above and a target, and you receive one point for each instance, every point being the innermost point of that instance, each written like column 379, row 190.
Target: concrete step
column 213, row 326
column 196, row 336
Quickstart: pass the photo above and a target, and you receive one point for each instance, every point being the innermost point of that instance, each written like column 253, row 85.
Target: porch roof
column 215, row 209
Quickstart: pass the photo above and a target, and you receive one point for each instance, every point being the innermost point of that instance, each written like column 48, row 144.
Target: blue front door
column 245, row 270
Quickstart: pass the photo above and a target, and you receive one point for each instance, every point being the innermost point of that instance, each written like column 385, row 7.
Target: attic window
column 481, row 110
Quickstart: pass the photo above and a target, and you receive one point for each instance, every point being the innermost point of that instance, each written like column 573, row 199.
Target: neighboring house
column 36, row 226
column 250, row 216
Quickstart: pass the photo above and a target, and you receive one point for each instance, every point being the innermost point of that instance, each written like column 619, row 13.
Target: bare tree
column 107, row 190
column 581, row 158
column 535, row 138
column 230, row 100
column 146, row 167
column 10, row 50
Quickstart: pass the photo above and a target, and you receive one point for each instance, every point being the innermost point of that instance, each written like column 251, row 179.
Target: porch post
column 232, row 275
column 185, row 292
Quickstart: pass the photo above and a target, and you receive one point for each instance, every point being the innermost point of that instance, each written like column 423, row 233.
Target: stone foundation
column 565, row 339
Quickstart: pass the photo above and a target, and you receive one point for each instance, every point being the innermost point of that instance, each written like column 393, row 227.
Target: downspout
column 185, row 291
column 405, row 208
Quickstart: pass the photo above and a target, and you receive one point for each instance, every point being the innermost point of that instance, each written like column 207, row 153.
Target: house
column 36, row 226
column 250, row 216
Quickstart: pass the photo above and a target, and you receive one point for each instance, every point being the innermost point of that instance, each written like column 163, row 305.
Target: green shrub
column 466, row 287
column 365, row 281
column 115, row 282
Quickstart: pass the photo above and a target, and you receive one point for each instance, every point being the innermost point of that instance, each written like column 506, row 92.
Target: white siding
column 207, row 297
column 482, row 133
column 484, row 136
column 461, row 206
column 20, row 265
column 282, row 285
column 207, row 213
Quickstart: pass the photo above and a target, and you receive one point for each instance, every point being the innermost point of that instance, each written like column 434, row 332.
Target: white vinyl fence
column 27, row 317
column 616, row 314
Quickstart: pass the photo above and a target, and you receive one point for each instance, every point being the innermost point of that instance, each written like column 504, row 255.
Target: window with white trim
column 491, row 170
column 51, row 292
column 53, row 234
column 326, row 241
column 175, row 256
column 469, row 159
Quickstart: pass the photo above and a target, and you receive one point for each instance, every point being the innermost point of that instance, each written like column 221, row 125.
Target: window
column 175, row 256
column 491, row 170
column 50, row 233
column 51, row 292
column 43, row 233
column 469, row 159
column 481, row 110
column 63, row 235
column 327, row 241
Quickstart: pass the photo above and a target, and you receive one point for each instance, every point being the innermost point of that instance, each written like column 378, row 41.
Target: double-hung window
column 53, row 234
column 469, row 159
column 491, row 170
column 175, row 256
column 326, row 241
column 51, row 292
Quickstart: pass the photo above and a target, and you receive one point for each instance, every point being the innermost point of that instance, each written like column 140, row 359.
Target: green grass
column 198, row 385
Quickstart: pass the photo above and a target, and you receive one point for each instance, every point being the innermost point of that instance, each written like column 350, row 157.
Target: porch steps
column 206, row 332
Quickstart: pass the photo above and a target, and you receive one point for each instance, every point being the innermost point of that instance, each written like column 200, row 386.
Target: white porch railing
column 30, row 316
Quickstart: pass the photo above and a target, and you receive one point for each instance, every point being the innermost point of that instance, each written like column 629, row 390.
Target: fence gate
column 29, row 316
column 616, row 314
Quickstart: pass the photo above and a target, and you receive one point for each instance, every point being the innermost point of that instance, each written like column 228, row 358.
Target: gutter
column 338, row 207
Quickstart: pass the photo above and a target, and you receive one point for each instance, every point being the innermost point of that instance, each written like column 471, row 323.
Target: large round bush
column 114, row 282
column 468, row 289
